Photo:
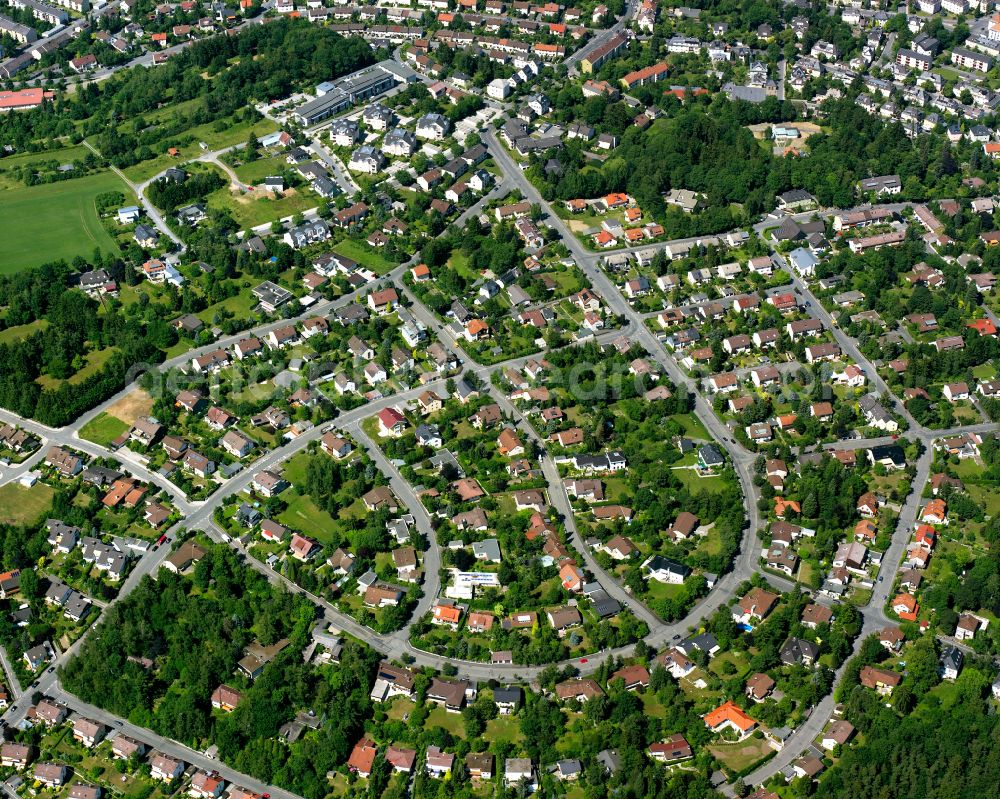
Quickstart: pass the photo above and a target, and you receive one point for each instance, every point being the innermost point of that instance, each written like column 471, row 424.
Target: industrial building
column 349, row 91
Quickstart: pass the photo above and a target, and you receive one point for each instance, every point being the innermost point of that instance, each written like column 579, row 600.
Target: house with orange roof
column 119, row 490
column 925, row 536
column 905, row 606
column 865, row 530
column 616, row 200
column 134, row 497
column 730, row 716
column 476, row 330
column 571, row 577
column 633, row 214
column 447, row 613
column 420, row 273
column 783, row 506
column 785, row 421
column 603, row 239
column 935, row 512
column 363, row 757
column 984, row 327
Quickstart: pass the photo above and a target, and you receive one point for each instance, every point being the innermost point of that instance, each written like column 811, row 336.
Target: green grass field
column 737, row 757
column 215, row 139
column 55, row 220
column 61, row 155
column 94, row 363
column 302, row 514
column 20, row 505
column 692, row 426
column 103, row 429
column 503, row 728
column 694, row 482
column 253, row 172
column 20, row 332
column 364, row 255
column 439, row 717
column 250, row 211
column 239, row 305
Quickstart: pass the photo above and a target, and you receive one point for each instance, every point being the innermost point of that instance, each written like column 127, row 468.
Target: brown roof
column 685, row 523
column 840, row 731
column 451, row 693
column 636, row 674
column 872, row 677
column 759, row 686
column 574, row 689
column 400, row 758
column 561, row 618
column 816, row 614
column 758, row 602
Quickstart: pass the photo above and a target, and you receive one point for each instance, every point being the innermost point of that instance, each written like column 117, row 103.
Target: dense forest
column 944, row 748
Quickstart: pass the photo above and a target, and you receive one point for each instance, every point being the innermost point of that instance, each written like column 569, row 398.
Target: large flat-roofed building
column 16, row 30
column 353, row 89
column 81, row 6
column 23, row 99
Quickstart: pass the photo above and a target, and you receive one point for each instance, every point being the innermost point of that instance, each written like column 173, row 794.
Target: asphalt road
column 13, row 684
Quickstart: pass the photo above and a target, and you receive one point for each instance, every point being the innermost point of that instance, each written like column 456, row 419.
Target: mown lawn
column 503, row 728
column 302, row 514
column 400, row 706
column 249, row 210
column 20, row 332
column 103, row 429
column 692, row 426
column 364, row 255
column 253, row 172
column 239, row 306
column 737, row 757
column 24, row 506
column 694, row 482
column 295, row 468
column 56, row 220
column 439, row 717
